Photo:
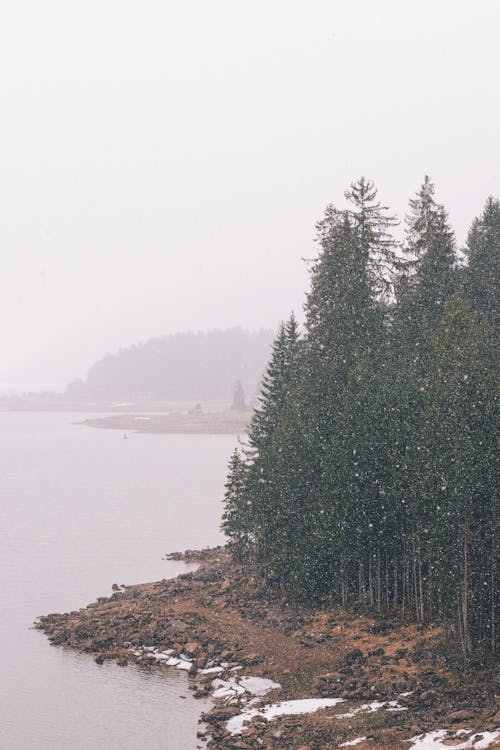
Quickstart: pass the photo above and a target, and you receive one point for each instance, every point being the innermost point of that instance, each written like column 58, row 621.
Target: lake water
column 81, row 509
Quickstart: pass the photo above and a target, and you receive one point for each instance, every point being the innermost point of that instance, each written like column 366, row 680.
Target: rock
column 192, row 648
column 428, row 696
column 221, row 713
column 332, row 677
column 258, row 719
column 249, row 659
column 462, row 715
column 355, row 656
column 178, row 625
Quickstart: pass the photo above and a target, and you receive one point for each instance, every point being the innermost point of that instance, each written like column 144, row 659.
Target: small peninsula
column 286, row 675
column 204, row 423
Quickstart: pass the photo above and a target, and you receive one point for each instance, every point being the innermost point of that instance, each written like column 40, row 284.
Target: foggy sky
column 163, row 163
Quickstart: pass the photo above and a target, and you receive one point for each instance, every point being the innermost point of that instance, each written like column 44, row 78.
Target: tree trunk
column 465, row 592
column 395, row 593
column 379, row 583
column 386, row 582
column 415, row 588
column 370, row 580
column 420, row 587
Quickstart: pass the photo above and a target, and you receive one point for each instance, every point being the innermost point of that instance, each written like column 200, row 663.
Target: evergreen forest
column 183, row 366
column 369, row 471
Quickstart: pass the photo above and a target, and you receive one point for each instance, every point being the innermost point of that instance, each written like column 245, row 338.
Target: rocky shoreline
column 284, row 676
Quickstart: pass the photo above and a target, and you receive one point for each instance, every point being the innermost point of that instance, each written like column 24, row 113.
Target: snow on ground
column 167, row 657
column 234, row 687
column 212, row 670
column 354, row 742
column 285, row 708
column 227, row 688
column 184, row 665
column 258, row 685
column 432, row 740
column 369, row 708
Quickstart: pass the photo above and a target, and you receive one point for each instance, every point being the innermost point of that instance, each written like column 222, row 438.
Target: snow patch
column 370, row 708
column 432, row 740
column 354, row 742
column 173, row 661
column 238, row 686
column 285, row 708
column 227, row 688
column 258, row 685
column 181, row 664
column 212, row 670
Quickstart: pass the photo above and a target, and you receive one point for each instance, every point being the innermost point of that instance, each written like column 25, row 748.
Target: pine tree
column 454, row 492
column 373, row 226
column 427, row 280
column 430, row 276
column 248, row 513
column 237, row 522
column 482, row 275
column 275, row 384
column 344, row 330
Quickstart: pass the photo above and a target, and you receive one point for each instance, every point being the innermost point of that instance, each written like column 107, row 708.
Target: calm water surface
column 81, row 509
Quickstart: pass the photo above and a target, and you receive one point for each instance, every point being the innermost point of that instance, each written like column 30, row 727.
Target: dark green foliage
column 482, row 275
column 237, row 517
column 275, row 384
column 369, row 474
column 430, row 276
column 454, row 494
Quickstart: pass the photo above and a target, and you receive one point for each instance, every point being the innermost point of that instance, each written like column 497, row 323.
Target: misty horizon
column 164, row 166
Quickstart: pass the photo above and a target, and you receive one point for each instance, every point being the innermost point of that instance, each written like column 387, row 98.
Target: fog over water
column 82, row 509
column 163, row 164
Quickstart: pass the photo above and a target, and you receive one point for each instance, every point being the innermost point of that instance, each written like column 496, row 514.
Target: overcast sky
column 163, row 163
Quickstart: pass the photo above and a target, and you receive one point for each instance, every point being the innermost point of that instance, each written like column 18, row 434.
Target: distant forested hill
column 184, row 366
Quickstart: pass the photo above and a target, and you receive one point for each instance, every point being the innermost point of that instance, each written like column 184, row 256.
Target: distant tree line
column 370, row 471
column 184, row 366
